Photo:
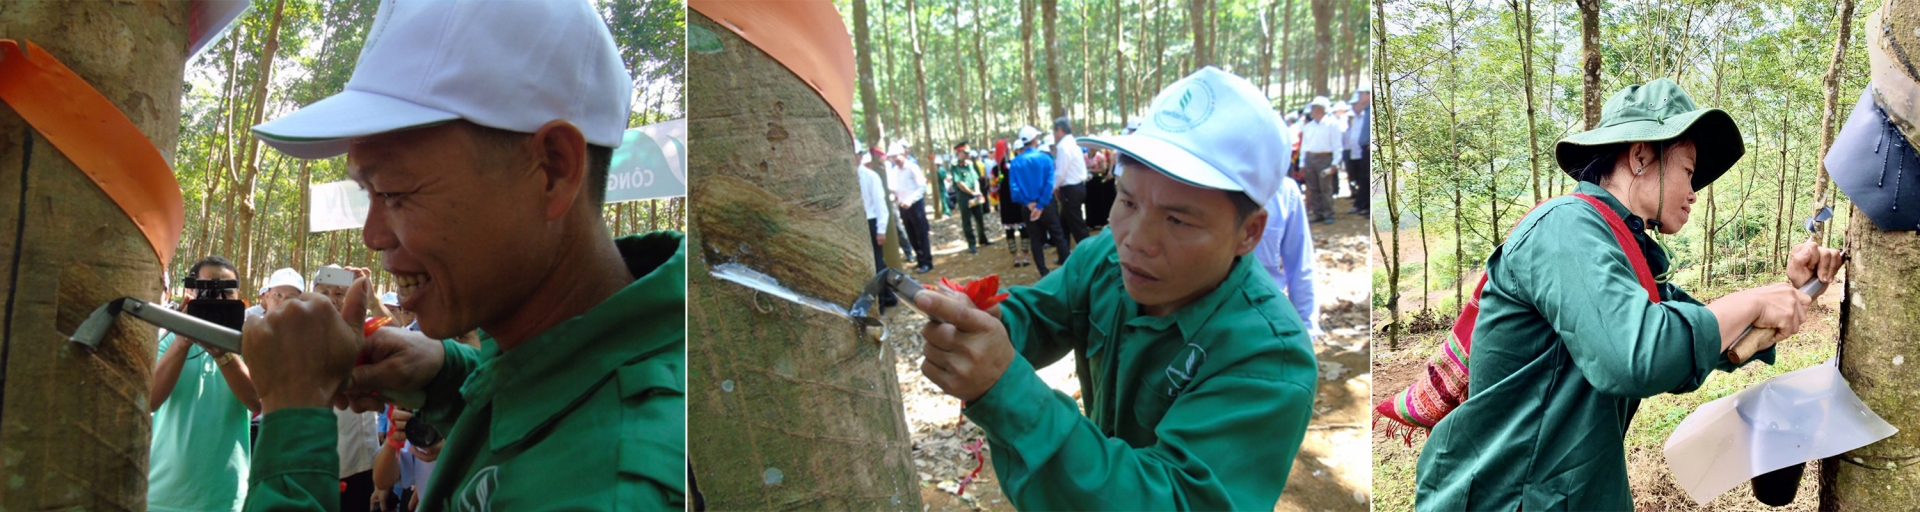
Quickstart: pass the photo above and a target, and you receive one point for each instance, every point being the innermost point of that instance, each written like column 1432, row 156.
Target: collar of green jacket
column 551, row 372
column 1657, row 261
column 1192, row 317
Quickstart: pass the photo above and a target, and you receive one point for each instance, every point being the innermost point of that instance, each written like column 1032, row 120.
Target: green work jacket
column 1565, row 347
column 1201, row 409
column 589, row 415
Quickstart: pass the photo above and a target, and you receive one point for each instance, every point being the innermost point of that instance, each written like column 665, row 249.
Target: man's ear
column 560, row 153
column 1250, row 232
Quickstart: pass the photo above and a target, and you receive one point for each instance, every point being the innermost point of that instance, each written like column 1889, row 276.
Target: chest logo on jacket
column 1185, row 364
column 475, row 496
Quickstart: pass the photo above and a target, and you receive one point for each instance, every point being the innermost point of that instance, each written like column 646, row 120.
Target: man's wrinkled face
column 1176, row 241
column 456, row 214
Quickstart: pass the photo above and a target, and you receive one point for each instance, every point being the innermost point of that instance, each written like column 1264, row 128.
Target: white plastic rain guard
column 1796, row 417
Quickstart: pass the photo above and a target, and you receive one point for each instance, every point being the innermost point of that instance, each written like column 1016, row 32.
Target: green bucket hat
column 1652, row 112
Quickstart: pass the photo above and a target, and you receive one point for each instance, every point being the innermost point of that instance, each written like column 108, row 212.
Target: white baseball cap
column 285, row 277
column 513, row 66
column 898, row 148
column 1212, row 130
column 1319, row 101
column 1027, row 134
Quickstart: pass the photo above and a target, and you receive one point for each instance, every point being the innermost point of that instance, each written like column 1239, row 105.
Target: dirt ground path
column 1331, row 471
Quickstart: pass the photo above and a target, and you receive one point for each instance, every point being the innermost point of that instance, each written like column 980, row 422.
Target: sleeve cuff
column 300, row 440
column 1706, row 340
column 1012, row 403
column 443, row 392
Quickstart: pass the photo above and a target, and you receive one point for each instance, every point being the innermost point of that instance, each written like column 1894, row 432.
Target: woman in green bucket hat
column 1570, row 336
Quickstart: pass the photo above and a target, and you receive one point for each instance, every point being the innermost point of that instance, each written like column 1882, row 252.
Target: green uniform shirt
column 964, row 175
column 589, row 415
column 200, row 445
column 1201, row 409
column 1565, row 347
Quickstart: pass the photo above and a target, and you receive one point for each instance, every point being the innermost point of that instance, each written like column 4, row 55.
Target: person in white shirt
column 873, row 197
column 1069, row 181
column 910, row 193
column 1319, row 141
column 1356, row 139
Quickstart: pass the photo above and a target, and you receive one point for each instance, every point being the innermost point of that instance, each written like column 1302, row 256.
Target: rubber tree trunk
column 1590, row 94
column 797, row 407
column 74, row 427
column 1322, row 46
column 1877, row 320
column 870, row 117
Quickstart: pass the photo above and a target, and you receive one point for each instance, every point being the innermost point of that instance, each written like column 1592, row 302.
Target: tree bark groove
column 74, row 426
column 797, row 408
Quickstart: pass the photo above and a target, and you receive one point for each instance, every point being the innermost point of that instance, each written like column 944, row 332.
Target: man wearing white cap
column 1032, row 179
column 910, row 194
column 282, row 285
column 1319, row 142
column 1198, row 378
column 482, row 132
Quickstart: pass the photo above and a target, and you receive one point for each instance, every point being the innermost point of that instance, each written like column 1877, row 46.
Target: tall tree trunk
column 1459, row 252
column 1160, row 45
column 1055, row 107
column 1775, row 257
column 1197, row 19
column 1286, row 52
column 1454, row 148
column 870, row 119
column 869, row 103
column 1880, row 310
column 959, row 76
column 980, row 69
column 925, row 107
column 1269, row 31
column 798, row 408
column 1120, row 68
column 263, row 76
column 893, row 124
column 1322, row 45
column 300, row 234
column 1086, row 65
column 1590, row 61
column 1026, row 61
column 74, row 425
column 1388, row 147
column 1829, row 118
column 1523, row 32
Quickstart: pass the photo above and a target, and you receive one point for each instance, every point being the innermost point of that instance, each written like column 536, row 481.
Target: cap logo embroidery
column 1193, row 107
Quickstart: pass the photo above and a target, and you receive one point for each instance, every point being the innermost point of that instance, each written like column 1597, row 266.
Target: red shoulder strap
column 1627, row 245
column 1620, row 235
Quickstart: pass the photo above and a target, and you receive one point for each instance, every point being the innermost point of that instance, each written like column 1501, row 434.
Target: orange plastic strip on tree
column 807, row 37
column 98, row 138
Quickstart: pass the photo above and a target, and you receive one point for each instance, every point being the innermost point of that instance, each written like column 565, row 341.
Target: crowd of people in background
column 206, row 414
column 1050, row 191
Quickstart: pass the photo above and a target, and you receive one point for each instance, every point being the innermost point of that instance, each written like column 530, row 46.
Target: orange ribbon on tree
column 98, row 138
